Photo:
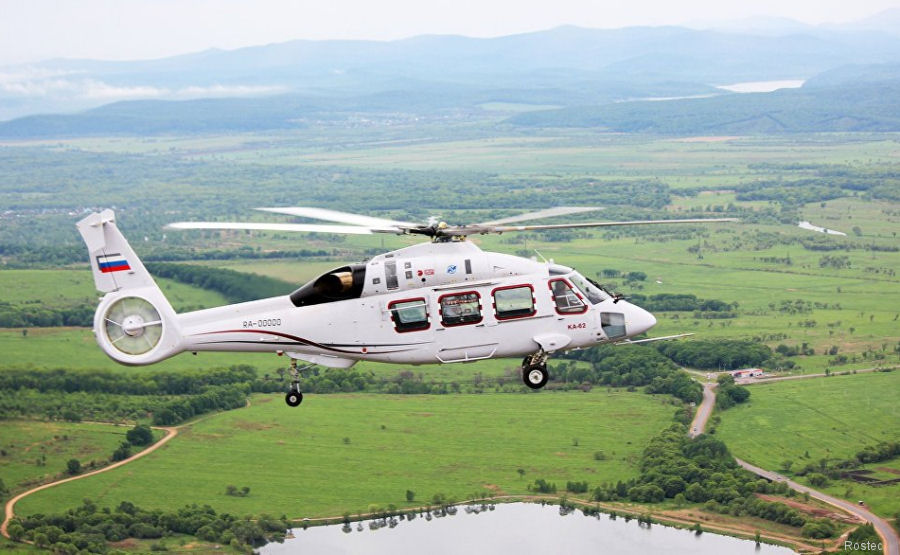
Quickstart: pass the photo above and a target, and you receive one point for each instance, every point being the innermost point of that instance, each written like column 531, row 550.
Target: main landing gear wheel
column 293, row 398
column 534, row 370
column 536, row 377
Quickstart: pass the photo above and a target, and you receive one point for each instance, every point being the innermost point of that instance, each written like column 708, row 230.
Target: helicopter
column 442, row 301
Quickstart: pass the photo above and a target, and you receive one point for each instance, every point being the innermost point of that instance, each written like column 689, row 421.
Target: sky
column 33, row 30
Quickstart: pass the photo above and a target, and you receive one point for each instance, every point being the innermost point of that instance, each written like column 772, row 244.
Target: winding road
column 889, row 537
column 11, row 504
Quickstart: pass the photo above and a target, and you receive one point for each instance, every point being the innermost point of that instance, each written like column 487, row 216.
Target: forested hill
column 868, row 107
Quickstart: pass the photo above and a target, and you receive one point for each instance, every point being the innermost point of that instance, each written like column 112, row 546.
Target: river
column 519, row 528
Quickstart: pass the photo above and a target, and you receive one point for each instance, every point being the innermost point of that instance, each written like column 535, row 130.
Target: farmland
column 347, row 452
column 806, row 421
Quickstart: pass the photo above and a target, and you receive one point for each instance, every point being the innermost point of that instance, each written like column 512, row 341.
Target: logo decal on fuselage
column 451, row 269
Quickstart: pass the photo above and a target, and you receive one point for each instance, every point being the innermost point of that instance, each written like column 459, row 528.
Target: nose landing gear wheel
column 293, row 398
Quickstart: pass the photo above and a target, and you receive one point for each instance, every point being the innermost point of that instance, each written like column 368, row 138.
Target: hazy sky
column 33, row 30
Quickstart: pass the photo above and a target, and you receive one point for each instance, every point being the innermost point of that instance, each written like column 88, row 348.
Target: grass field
column 37, row 451
column 346, row 452
column 68, row 287
column 828, row 418
column 701, row 162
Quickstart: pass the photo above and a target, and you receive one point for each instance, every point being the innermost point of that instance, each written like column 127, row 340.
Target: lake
column 520, row 528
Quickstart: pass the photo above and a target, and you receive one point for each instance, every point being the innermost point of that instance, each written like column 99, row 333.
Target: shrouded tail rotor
column 132, row 325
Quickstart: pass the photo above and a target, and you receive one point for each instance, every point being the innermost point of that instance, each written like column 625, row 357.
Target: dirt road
column 11, row 504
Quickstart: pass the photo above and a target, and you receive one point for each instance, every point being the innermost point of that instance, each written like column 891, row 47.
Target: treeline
column 36, row 316
column 670, row 302
column 90, row 529
column 701, row 470
column 709, row 354
column 235, row 286
column 830, row 181
column 165, row 398
column 628, row 366
column 175, row 254
column 819, row 473
column 78, row 406
column 131, row 383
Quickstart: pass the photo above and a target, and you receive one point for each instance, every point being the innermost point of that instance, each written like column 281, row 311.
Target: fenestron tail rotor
column 364, row 225
column 132, row 325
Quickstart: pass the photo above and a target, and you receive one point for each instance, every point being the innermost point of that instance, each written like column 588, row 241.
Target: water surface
column 514, row 528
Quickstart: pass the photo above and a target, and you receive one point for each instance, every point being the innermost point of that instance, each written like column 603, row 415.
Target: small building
column 748, row 373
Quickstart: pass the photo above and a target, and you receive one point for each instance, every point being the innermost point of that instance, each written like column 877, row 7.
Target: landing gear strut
column 534, row 370
column 294, row 397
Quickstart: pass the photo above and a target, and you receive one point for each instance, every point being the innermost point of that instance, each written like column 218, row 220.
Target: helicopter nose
column 639, row 321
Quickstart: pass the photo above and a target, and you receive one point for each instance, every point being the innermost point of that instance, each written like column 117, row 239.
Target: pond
column 520, row 528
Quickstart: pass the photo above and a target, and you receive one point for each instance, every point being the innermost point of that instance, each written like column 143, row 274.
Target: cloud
column 39, row 83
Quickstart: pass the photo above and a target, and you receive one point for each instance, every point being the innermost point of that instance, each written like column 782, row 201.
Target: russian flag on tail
column 112, row 263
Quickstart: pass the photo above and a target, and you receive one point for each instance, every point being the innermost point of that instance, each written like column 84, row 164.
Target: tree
column 410, row 495
column 122, row 452
column 73, row 467
column 140, row 435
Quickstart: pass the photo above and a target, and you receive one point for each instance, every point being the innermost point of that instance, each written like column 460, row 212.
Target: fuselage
column 427, row 303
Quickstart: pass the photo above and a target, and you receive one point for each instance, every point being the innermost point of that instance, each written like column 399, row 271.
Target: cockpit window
column 339, row 284
column 566, row 299
column 592, row 290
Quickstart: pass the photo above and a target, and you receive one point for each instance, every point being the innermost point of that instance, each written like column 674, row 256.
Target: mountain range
column 570, row 68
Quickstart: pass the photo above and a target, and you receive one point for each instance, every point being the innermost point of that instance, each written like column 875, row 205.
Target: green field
column 68, row 287
column 698, row 162
column 828, row 418
column 298, row 462
column 35, row 452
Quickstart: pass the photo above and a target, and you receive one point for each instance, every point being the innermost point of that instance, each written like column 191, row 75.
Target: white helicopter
column 444, row 301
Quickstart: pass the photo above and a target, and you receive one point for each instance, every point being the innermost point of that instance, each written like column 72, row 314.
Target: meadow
column 69, row 287
column 35, row 452
column 805, row 421
column 343, row 453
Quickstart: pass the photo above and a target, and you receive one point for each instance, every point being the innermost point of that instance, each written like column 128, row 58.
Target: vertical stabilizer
column 114, row 263
column 134, row 324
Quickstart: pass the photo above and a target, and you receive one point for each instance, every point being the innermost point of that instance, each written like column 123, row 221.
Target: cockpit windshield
column 591, row 289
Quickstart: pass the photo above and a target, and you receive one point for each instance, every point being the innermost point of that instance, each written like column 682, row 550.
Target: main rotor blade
column 309, row 228
column 475, row 230
column 548, row 213
column 336, row 216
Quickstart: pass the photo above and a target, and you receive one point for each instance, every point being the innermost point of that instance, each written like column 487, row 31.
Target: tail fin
column 114, row 263
column 134, row 324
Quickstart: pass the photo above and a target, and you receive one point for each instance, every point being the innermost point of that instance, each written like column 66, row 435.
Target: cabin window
column 460, row 308
column 613, row 324
column 409, row 315
column 516, row 301
column 566, row 299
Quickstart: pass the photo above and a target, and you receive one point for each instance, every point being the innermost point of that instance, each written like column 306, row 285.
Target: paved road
column 704, row 410
column 751, row 381
column 887, row 533
column 884, row 529
column 11, row 504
